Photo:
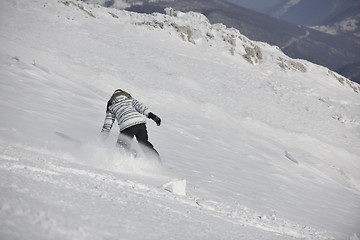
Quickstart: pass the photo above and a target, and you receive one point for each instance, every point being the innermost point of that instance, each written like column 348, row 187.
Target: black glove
column 155, row 118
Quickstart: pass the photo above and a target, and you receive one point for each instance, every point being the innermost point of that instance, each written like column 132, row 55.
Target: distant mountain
column 329, row 16
column 332, row 51
column 305, row 12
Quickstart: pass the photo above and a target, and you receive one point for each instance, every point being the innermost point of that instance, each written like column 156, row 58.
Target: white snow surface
column 267, row 151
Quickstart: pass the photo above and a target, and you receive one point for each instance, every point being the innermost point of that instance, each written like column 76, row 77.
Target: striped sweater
column 127, row 111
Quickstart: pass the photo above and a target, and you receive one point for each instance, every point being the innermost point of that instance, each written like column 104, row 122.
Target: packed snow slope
column 269, row 146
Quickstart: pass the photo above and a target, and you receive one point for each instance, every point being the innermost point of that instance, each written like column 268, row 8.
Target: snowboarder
column 128, row 112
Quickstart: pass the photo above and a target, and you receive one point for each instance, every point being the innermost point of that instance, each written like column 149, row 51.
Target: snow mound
column 176, row 186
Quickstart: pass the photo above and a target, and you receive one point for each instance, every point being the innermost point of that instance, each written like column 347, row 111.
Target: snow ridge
column 195, row 28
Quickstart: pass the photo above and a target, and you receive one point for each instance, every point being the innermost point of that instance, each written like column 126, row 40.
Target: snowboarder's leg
column 143, row 139
column 124, row 141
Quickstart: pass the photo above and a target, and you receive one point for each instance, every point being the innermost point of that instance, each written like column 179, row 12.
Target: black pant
column 139, row 131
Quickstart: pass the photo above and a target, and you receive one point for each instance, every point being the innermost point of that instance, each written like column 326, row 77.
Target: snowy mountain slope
column 269, row 145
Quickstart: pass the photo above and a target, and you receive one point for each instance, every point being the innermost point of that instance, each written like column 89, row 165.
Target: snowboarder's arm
column 108, row 123
column 141, row 108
